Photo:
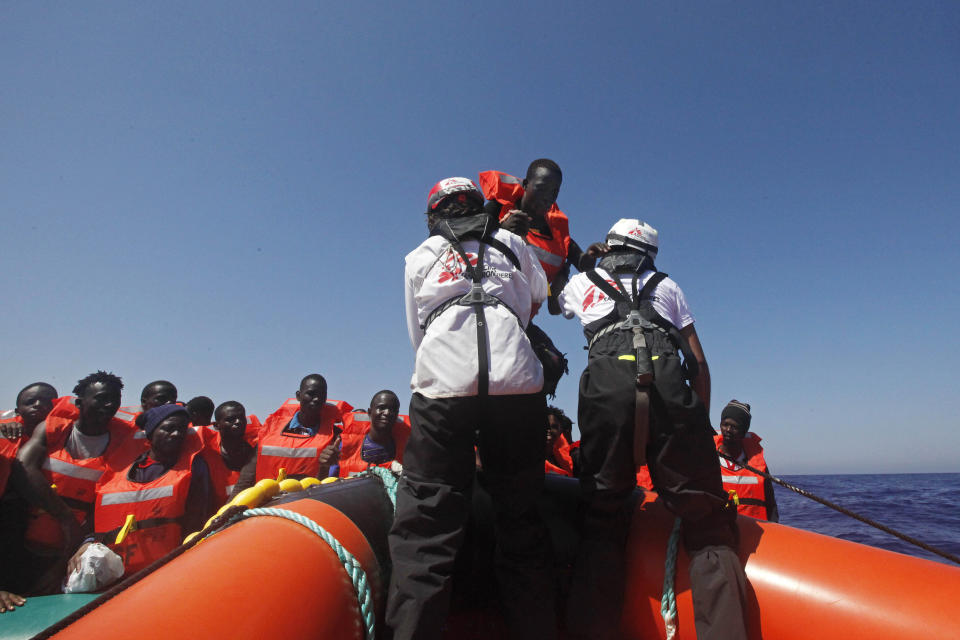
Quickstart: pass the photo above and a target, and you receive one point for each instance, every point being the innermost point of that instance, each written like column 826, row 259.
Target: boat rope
column 668, row 603
column 358, row 576
column 215, row 524
column 856, row 516
column 390, row 482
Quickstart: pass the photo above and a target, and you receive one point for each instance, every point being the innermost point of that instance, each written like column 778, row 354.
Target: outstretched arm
column 700, row 384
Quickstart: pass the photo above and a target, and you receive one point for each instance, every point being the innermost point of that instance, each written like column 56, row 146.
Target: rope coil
column 351, row 565
column 390, row 482
column 668, row 603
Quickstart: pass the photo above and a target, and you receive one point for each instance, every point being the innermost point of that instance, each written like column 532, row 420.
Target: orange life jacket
column 156, row 507
column 356, row 425
column 8, row 451
column 643, row 478
column 748, row 487
column 551, row 251
column 75, row 481
column 294, row 452
column 222, row 477
column 561, row 453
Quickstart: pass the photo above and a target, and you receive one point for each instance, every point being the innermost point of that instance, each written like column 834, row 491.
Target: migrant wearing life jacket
column 747, row 489
column 634, row 330
column 552, row 251
column 561, row 454
column 356, row 426
column 296, row 453
column 156, row 507
column 75, row 481
column 222, row 477
column 134, row 412
column 8, row 451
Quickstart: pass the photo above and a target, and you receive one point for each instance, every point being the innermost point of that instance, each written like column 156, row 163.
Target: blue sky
column 221, row 194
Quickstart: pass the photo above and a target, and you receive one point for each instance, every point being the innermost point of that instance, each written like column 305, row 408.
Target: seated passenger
column 166, row 489
column 557, row 453
column 66, row 456
column 200, row 410
column 34, row 402
column 753, row 494
column 231, row 457
column 303, row 436
column 377, row 436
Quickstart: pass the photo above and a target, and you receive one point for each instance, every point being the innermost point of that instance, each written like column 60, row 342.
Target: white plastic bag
column 99, row 567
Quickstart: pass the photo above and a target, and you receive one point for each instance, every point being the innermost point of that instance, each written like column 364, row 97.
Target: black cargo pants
column 686, row 473
column 433, row 503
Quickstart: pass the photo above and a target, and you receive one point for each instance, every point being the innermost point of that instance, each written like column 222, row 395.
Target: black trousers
column 433, row 502
column 686, row 473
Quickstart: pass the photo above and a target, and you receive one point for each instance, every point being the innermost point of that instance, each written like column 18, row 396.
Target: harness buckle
column 633, row 321
column 477, row 295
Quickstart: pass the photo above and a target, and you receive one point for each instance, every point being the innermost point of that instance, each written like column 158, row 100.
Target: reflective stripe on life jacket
column 156, row 507
column 552, row 251
column 750, row 488
column 75, row 481
column 295, row 452
column 356, row 426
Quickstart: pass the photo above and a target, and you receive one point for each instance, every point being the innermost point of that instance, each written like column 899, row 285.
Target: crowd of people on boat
column 79, row 472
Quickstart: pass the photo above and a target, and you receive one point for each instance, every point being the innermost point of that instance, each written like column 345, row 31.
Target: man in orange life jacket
column 754, row 494
column 304, row 442
column 557, row 452
column 157, row 393
column 375, row 437
column 200, row 410
column 167, row 489
column 231, row 457
column 71, row 450
column 529, row 209
column 34, row 403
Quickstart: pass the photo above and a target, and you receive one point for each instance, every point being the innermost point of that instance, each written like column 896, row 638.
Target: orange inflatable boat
column 270, row 576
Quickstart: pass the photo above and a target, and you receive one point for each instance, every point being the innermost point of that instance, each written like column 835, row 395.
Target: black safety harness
column 635, row 313
column 476, row 297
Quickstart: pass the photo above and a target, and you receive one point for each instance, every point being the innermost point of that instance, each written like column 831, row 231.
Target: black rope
column 855, row 516
column 107, row 595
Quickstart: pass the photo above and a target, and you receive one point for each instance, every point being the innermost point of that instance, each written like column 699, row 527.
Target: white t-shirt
column 585, row 300
column 446, row 364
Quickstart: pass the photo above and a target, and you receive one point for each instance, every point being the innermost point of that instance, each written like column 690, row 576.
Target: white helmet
column 635, row 234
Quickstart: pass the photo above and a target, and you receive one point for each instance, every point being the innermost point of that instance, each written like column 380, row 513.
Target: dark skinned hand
column 517, row 222
column 11, row 431
column 330, row 453
column 10, row 601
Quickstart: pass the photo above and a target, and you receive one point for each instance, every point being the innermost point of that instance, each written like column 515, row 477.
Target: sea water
column 925, row 506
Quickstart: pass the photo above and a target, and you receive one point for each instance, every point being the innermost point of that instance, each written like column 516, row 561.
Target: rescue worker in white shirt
column 753, row 494
column 636, row 404
column 470, row 288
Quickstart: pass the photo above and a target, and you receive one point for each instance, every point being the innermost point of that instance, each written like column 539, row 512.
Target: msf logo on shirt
column 453, row 266
column 595, row 296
